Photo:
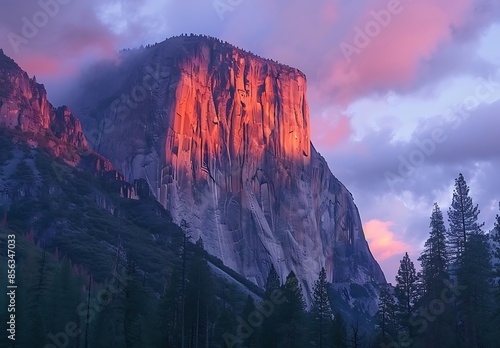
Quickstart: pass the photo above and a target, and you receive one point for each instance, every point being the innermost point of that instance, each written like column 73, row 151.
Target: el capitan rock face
column 223, row 139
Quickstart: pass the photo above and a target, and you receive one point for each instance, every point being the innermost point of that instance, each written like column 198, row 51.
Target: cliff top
column 188, row 41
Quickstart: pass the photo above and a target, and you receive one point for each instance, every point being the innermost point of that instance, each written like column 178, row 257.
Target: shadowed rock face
column 223, row 139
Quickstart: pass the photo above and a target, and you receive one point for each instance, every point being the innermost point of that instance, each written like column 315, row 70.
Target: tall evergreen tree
column 251, row 341
column 269, row 336
column 31, row 296
column 406, row 292
column 184, row 227
column 434, row 264
column 495, row 234
column 386, row 316
column 134, row 298
column 463, row 219
column 338, row 331
column 169, row 314
column 434, row 259
column 65, row 296
column 226, row 324
column 470, row 261
column 121, row 313
column 474, row 275
column 292, row 313
column 321, row 311
column 199, row 295
column 272, row 282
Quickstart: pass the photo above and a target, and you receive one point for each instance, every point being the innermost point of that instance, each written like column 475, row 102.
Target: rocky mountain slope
column 24, row 109
column 223, row 139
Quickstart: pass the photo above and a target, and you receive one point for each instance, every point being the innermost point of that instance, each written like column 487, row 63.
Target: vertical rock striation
column 223, row 139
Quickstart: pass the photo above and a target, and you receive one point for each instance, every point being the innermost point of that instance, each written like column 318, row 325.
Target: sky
column 404, row 94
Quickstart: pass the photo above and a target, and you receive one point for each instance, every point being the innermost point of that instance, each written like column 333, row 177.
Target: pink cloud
column 407, row 53
column 42, row 65
column 383, row 242
column 331, row 131
column 394, row 57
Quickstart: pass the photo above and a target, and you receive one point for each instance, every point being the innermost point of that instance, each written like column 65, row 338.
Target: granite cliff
column 222, row 137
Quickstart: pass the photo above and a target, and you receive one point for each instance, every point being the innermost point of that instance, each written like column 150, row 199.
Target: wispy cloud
column 383, row 242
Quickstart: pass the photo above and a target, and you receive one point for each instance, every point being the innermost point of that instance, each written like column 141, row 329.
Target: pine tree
column 406, row 292
column 199, row 293
column 33, row 285
column 251, row 341
column 134, row 300
column 495, row 234
column 273, row 282
column 338, row 331
column 434, row 259
column 184, row 227
column 474, row 274
column 463, row 219
column 269, row 332
column 123, row 310
column 321, row 311
column 386, row 315
column 65, row 296
column 86, row 316
column 226, row 324
column 292, row 313
column 470, row 255
column 434, row 264
column 169, row 314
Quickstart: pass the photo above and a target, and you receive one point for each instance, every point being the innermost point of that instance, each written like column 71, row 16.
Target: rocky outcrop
column 23, row 102
column 67, row 127
column 223, row 139
column 24, row 109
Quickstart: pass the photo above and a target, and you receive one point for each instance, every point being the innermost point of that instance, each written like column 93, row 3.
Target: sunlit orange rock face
column 234, row 114
column 223, row 138
column 24, row 103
